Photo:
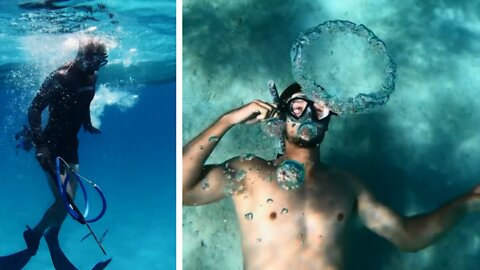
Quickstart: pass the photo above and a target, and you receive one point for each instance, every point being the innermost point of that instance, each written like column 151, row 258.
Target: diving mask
column 99, row 59
column 300, row 108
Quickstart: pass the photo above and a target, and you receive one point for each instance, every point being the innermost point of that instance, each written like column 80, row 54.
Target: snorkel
column 276, row 100
column 273, row 91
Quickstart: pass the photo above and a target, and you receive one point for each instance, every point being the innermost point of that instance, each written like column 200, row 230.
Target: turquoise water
column 415, row 153
column 132, row 160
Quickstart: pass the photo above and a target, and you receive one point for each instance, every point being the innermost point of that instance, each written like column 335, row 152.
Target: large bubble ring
column 345, row 65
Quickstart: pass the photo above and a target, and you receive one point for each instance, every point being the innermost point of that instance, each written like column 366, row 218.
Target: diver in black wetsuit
column 67, row 92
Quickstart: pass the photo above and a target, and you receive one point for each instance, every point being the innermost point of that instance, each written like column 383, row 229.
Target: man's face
column 306, row 121
column 92, row 62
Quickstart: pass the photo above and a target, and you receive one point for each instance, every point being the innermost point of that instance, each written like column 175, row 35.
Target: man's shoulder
column 54, row 81
column 345, row 176
column 339, row 171
column 351, row 180
column 60, row 75
column 63, row 69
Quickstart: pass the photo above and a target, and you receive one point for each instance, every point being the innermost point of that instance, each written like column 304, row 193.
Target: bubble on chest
column 249, row 216
column 290, row 175
column 307, row 131
column 234, row 183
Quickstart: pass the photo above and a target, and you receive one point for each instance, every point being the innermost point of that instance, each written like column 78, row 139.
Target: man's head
column 92, row 54
column 306, row 121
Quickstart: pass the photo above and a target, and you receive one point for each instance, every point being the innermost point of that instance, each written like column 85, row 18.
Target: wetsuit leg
column 56, row 213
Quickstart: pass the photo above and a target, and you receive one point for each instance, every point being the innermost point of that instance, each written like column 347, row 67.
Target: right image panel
column 330, row 135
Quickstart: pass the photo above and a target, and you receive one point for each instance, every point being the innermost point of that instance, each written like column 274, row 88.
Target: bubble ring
column 362, row 102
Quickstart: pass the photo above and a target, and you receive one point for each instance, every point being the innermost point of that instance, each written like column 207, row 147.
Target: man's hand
column 91, row 129
column 43, row 156
column 252, row 113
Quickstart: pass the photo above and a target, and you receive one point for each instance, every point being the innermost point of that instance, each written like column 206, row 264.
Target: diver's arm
column 416, row 232
column 87, row 120
column 197, row 151
column 195, row 154
column 39, row 103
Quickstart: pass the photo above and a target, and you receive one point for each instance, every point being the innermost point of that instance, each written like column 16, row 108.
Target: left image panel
column 87, row 135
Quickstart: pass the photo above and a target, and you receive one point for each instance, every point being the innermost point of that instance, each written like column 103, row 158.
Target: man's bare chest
column 308, row 214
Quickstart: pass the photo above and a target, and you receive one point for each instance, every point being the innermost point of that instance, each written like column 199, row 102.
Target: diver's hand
column 43, row 156
column 91, row 129
column 252, row 113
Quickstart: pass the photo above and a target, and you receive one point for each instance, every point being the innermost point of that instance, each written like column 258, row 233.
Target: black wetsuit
column 69, row 108
column 67, row 93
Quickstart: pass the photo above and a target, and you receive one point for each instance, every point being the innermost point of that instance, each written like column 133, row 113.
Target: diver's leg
column 54, row 216
column 16, row 261
column 60, row 261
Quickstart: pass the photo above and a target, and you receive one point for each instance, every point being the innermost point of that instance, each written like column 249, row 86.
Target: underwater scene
column 399, row 81
column 131, row 161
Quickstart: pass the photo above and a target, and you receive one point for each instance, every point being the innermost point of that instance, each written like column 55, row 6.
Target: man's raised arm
column 197, row 151
column 416, row 232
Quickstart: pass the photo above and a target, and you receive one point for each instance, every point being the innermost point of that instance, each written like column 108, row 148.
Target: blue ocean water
column 132, row 160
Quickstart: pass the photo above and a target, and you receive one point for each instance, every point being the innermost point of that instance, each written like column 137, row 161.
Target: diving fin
column 15, row 261
column 60, row 261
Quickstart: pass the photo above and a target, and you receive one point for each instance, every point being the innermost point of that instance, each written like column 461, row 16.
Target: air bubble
column 205, row 184
column 247, row 157
column 240, row 175
column 273, row 127
column 359, row 76
column 290, row 174
column 213, row 139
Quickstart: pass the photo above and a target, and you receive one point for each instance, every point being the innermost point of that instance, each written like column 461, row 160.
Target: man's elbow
column 187, row 199
column 32, row 112
column 410, row 243
column 409, row 248
column 187, row 203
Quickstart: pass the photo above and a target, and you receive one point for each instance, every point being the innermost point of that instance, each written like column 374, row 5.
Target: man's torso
column 68, row 104
column 293, row 229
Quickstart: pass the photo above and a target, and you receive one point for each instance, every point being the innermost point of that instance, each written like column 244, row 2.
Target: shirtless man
column 67, row 92
column 304, row 227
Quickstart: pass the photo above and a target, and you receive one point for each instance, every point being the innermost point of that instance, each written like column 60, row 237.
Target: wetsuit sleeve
column 39, row 103
column 87, row 100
